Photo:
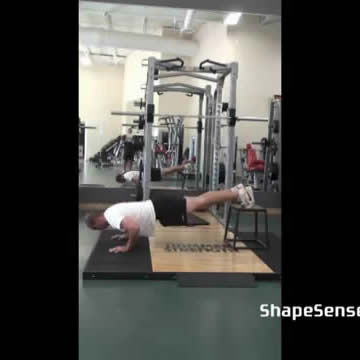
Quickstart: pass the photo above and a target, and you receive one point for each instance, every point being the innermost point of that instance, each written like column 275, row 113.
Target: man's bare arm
column 132, row 228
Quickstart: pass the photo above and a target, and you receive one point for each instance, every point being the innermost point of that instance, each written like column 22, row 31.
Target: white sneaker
column 242, row 194
column 187, row 167
column 250, row 197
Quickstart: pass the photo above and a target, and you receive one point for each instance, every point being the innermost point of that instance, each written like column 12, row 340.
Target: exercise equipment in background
column 109, row 154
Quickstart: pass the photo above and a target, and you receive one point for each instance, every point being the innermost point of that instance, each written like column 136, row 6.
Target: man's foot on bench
column 245, row 196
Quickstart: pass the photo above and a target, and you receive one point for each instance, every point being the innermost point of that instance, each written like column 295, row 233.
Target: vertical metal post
column 267, row 165
column 278, row 157
column 217, row 137
column 212, row 139
column 198, row 141
column 207, row 139
column 205, row 153
column 149, row 119
column 231, row 132
column 235, row 159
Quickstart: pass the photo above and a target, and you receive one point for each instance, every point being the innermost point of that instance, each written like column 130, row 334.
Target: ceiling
column 137, row 19
column 261, row 7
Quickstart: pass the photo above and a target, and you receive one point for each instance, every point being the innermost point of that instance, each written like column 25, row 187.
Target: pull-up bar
column 182, row 73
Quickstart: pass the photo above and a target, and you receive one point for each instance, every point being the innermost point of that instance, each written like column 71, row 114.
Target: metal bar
column 252, row 118
column 164, row 76
column 207, row 144
column 236, row 229
column 214, row 69
column 227, row 226
column 240, row 118
column 223, row 76
column 161, row 126
column 279, row 155
column 266, row 184
column 231, row 135
column 217, row 138
column 198, row 143
column 148, row 129
column 109, row 55
column 170, row 88
column 170, row 85
column 178, row 90
column 212, row 139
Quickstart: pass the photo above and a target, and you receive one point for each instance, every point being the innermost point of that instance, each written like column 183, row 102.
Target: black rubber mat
column 216, row 280
column 136, row 264
column 270, row 256
column 193, row 220
column 91, row 185
column 105, row 265
column 102, row 194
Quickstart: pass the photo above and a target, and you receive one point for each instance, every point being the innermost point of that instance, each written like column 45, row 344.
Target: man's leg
column 171, row 170
column 130, row 164
column 125, row 161
column 204, row 201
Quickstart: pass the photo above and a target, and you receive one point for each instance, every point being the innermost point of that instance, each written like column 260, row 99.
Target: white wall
column 105, row 88
column 100, row 92
column 257, row 49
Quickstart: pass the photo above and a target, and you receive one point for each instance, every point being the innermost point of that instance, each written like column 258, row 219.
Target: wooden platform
column 164, row 261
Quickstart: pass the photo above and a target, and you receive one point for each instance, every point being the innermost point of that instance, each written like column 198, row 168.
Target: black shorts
column 129, row 155
column 170, row 208
column 129, row 151
column 155, row 174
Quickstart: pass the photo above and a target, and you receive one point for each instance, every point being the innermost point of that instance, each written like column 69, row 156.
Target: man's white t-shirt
column 131, row 176
column 141, row 211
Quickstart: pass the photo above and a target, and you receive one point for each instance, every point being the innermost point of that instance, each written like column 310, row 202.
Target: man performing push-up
column 139, row 218
column 156, row 174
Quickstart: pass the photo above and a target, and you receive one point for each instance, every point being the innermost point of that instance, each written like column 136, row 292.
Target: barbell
column 158, row 126
column 238, row 118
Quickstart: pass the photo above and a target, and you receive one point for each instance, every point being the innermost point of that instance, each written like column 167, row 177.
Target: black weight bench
column 260, row 239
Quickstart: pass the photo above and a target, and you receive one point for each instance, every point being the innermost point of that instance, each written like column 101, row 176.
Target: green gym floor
column 140, row 320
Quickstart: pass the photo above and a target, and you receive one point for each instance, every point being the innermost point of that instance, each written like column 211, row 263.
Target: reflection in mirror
column 113, row 76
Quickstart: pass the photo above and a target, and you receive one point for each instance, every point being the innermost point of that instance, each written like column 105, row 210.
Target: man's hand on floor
column 119, row 249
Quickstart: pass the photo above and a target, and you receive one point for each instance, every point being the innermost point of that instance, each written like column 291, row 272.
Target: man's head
column 97, row 222
column 120, row 178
